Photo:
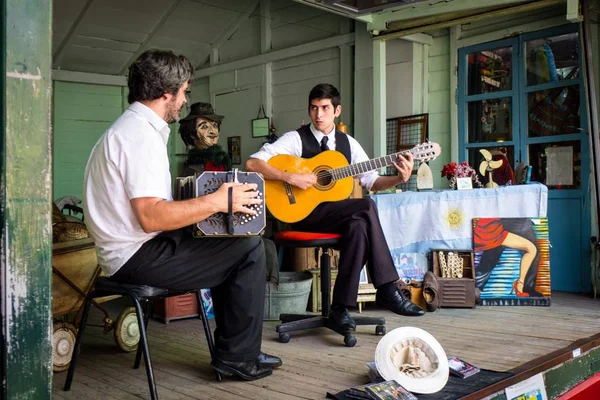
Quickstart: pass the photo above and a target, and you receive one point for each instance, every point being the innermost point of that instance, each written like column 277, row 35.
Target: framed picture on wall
column 364, row 279
column 260, row 127
column 234, row 149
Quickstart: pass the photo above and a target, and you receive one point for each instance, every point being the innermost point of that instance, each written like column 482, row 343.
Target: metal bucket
column 289, row 297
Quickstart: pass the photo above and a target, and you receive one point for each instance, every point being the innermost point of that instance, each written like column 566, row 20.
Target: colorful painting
column 410, row 265
column 512, row 260
column 207, row 303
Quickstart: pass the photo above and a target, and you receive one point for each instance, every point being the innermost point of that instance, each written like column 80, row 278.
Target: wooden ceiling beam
column 58, row 53
column 476, row 16
column 228, row 33
column 380, row 21
column 276, row 55
column 143, row 46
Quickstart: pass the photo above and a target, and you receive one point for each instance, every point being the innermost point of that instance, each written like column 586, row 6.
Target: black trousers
column 362, row 242
column 234, row 270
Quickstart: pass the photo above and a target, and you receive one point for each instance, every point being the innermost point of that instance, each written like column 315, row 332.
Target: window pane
column 552, row 59
column 557, row 165
column 489, row 71
column 490, row 120
column 553, row 111
column 501, row 175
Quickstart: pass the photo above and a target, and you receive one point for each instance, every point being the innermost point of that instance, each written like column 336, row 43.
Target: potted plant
column 452, row 171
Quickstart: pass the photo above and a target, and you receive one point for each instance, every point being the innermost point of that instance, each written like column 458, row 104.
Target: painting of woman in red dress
column 491, row 237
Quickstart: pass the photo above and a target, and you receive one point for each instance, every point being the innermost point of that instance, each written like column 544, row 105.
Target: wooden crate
column 456, row 292
column 366, row 293
column 176, row 307
column 301, row 259
column 314, row 301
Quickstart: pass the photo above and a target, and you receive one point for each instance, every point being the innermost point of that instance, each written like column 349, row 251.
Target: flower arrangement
column 463, row 170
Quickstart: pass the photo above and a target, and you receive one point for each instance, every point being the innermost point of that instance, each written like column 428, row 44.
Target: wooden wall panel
column 292, row 80
column 81, row 114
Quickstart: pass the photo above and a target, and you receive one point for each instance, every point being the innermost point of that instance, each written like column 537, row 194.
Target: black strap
column 230, row 211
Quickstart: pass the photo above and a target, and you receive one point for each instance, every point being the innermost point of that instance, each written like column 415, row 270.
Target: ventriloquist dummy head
column 201, row 127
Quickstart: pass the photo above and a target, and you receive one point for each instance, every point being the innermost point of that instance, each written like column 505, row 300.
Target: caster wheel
column 349, row 341
column 63, row 343
column 284, row 337
column 127, row 331
column 380, row 330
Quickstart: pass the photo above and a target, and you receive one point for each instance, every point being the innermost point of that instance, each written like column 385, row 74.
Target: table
column 414, row 223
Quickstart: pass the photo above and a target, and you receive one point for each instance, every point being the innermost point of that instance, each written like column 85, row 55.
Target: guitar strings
column 328, row 174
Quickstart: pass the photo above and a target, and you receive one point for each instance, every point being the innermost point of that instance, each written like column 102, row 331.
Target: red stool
column 295, row 322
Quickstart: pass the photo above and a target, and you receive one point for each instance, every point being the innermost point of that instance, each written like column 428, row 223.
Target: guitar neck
column 366, row 166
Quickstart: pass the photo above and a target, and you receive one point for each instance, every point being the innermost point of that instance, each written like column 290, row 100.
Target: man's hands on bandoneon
column 303, row 181
column 244, row 194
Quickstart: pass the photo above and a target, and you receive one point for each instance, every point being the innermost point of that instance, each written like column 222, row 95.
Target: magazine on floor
column 461, row 368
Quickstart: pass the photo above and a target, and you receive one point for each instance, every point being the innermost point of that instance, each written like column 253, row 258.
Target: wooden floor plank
column 315, row 362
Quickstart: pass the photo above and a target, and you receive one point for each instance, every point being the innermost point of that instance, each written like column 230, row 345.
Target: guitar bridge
column 290, row 193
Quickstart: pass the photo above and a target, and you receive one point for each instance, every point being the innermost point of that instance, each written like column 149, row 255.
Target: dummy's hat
column 204, row 110
column 413, row 358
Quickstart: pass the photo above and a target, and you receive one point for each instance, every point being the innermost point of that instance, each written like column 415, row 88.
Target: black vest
column 311, row 147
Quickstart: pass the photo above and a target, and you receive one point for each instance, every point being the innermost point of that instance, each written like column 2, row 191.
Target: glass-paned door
column 489, row 101
column 522, row 99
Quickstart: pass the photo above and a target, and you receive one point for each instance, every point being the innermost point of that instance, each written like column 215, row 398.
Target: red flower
column 448, row 170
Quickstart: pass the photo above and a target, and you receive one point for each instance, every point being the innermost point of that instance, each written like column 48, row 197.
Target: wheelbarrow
column 74, row 269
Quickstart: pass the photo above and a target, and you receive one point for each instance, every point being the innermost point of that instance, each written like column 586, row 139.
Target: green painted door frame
column 25, row 199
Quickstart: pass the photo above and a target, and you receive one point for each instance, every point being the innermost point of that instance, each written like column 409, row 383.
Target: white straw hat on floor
column 414, row 359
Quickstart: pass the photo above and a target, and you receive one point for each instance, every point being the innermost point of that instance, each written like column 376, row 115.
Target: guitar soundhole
column 325, row 180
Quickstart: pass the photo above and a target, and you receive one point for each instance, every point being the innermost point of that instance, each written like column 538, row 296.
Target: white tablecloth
column 416, row 222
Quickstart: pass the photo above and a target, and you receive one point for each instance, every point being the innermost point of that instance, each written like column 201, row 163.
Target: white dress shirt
column 290, row 143
column 130, row 160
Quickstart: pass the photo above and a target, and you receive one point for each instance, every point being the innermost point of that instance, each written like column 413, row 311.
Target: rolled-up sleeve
column 289, row 143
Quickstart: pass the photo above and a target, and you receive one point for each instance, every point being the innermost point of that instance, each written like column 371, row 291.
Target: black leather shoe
column 341, row 318
column 267, row 360
column 398, row 304
column 247, row 370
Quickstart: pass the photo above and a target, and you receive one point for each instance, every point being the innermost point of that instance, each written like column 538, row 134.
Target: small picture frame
column 234, row 149
column 260, row 127
column 364, row 279
column 464, row 183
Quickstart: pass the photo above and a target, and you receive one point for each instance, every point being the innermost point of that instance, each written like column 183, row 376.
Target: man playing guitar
column 356, row 220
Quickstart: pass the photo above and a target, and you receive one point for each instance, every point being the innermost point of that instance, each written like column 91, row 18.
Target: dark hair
column 188, row 132
column 156, row 72
column 325, row 91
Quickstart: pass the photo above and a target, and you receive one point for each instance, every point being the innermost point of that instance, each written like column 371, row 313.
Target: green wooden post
column 25, row 199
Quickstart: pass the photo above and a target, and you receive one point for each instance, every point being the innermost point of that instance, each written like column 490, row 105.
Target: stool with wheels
column 295, row 322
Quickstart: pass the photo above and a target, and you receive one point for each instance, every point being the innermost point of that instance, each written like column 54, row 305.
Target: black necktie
column 324, row 143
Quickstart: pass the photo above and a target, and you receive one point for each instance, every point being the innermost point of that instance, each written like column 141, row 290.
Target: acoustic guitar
column 291, row 204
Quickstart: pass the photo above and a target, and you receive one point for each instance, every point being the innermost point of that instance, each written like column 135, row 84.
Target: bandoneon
column 224, row 224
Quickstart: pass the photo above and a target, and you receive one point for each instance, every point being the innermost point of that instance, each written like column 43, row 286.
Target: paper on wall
column 559, row 165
